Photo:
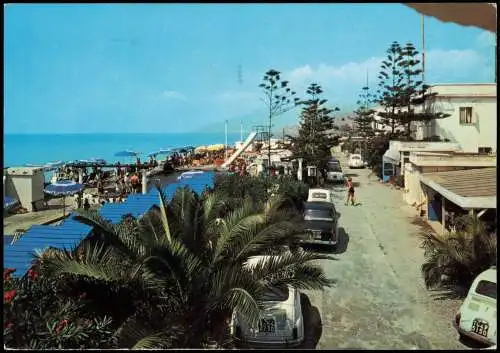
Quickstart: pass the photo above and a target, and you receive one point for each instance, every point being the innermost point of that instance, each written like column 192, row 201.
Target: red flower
column 8, row 325
column 32, row 274
column 9, row 295
column 7, row 273
column 61, row 325
column 83, row 295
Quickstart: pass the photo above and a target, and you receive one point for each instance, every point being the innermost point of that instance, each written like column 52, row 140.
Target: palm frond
column 98, row 263
column 163, row 212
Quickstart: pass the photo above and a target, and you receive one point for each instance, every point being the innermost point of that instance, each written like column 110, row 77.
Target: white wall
column 482, row 99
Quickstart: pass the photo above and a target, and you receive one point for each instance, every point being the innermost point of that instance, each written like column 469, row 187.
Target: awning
column 391, row 156
column 471, row 188
column 480, row 14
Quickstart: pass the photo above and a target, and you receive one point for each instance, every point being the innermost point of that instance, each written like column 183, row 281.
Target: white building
column 473, row 116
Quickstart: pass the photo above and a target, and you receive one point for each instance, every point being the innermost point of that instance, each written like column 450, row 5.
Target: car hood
column 479, row 308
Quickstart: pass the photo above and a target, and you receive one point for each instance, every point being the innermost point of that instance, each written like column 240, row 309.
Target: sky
column 187, row 67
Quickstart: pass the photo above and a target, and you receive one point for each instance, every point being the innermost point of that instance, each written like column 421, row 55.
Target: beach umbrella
column 217, row 147
column 98, row 160
column 63, row 188
column 10, row 203
column 481, row 14
column 200, row 149
column 127, row 153
column 53, row 165
column 153, row 154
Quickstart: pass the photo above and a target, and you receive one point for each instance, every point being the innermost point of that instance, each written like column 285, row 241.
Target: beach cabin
column 25, row 184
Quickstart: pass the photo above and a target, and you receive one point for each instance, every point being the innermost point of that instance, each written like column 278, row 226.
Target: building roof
column 472, row 188
column 66, row 235
column 71, row 232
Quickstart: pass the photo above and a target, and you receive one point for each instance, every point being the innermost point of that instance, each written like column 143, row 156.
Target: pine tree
column 414, row 92
column 314, row 138
column 391, row 86
column 364, row 115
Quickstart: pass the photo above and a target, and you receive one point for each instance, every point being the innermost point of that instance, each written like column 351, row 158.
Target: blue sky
column 174, row 68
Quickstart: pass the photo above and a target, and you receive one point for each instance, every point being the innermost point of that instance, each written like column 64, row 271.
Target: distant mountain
column 288, row 121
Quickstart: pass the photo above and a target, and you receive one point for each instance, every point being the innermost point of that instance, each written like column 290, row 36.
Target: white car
column 356, row 161
column 477, row 317
column 334, row 173
column 281, row 323
column 320, row 195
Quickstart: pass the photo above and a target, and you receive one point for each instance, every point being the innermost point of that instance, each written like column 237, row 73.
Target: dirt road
column 380, row 300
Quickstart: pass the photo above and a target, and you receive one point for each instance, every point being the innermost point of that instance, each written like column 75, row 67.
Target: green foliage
column 40, row 316
column 400, row 89
column 177, row 291
column 364, row 115
column 278, row 98
column 314, row 141
column 237, row 188
column 453, row 261
column 390, row 86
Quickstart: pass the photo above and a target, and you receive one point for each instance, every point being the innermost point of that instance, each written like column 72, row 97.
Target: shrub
column 453, row 261
column 37, row 316
column 256, row 188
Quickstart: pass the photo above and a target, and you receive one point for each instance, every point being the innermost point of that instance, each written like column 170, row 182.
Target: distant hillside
column 288, row 121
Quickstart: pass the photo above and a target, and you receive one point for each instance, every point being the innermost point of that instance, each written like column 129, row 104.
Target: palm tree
column 187, row 260
column 452, row 261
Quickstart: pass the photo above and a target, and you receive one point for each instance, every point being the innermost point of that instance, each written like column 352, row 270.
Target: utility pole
column 225, row 146
column 423, row 47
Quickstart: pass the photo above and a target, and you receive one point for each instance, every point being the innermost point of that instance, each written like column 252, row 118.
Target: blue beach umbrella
column 64, row 188
column 53, row 165
column 98, row 160
column 154, row 154
column 10, row 203
column 126, row 153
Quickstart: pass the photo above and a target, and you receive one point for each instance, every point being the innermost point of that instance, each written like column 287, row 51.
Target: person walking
column 350, row 192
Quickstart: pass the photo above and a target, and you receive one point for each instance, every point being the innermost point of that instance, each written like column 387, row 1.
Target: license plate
column 480, row 327
column 267, row 325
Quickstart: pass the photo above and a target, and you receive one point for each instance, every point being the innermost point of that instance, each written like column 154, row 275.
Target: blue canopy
column 126, row 153
column 53, row 165
column 98, row 160
column 64, row 187
column 154, row 154
column 9, row 202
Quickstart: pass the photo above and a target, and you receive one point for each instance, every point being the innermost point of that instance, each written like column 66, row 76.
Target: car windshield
column 275, row 294
column 333, row 167
column 355, row 157
column 312, row 214
column 487, row 288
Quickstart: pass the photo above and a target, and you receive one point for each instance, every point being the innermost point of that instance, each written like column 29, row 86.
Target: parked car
column 356, row 161
column 334, row 172
column 281, row 322
column 321, row 222
column 477, row 317
column 320, row 195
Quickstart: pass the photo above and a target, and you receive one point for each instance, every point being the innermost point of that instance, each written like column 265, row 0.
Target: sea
column 39, row 149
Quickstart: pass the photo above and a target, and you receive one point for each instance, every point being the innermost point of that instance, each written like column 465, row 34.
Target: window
column 487, row 289
column 466, row 116
column 319, row 195
column 484, row 150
